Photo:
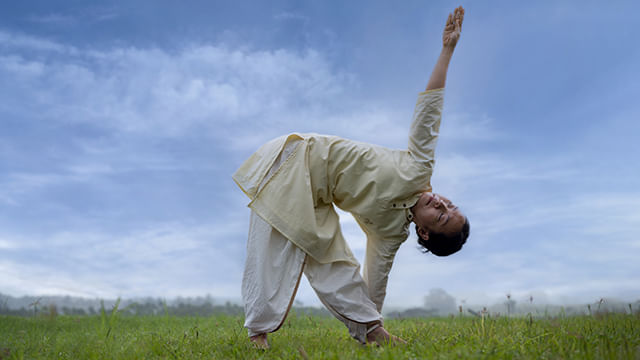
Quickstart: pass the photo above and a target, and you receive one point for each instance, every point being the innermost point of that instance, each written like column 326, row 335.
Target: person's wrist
column 448, row 49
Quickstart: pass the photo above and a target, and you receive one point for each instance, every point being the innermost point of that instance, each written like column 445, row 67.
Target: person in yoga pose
column 294, row 183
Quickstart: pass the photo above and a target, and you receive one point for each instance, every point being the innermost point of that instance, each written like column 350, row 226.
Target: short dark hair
column 444, row 245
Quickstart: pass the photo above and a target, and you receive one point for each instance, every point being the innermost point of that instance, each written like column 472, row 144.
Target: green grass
column 611, row 336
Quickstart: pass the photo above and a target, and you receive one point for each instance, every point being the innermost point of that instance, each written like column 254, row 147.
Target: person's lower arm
column 450, row 38
column 439, row 74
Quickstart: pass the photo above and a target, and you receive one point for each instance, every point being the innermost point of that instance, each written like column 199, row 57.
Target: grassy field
column 110, row 336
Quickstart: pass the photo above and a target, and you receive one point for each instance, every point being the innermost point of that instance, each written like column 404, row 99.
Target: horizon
column 494, row 303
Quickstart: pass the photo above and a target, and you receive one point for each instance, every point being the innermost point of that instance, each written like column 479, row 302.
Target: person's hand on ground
column 260, row 341
column 380, row 336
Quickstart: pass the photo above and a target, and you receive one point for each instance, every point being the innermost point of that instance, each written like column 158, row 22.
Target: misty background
column 122, row 122
column 437, row 303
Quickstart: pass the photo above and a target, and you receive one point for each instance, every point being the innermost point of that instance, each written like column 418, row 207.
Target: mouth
column 431, row 197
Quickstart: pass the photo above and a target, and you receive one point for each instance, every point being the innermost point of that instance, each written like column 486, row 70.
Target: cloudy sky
column 121, row 123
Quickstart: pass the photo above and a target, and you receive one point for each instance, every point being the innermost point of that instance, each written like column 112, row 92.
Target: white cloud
column 16, row 184
column 52, row 19
column 469, row 127
column 151, row 261
column 8, row 245
column 27, row 42
column 291, row 16
column 21, row 67
column 238, row 96
column 159, row 92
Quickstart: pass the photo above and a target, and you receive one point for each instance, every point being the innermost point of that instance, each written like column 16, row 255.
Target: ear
column 423, row 233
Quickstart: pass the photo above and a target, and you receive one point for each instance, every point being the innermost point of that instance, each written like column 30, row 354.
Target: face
column 438, row 214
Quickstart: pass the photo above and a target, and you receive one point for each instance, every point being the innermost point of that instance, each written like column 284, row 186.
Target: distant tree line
column 436, row 303
column 439, row 303
column 66, row 305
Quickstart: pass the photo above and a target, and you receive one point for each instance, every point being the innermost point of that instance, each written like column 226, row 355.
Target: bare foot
column 381, row 336
column 260, row 341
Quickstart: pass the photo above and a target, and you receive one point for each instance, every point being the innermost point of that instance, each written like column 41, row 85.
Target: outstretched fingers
column 458, row 17
column 455, row 19
column 450, row 25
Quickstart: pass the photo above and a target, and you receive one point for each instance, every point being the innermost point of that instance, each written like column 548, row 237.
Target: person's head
column 442, row 229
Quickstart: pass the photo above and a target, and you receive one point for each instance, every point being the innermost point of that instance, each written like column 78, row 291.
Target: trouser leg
column 342, row 290
column 272, row 269
column 271, row 276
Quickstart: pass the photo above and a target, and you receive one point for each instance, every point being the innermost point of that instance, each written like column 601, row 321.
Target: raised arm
column 450, row 38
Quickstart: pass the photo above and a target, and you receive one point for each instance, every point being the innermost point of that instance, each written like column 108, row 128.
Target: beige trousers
column 272, row 274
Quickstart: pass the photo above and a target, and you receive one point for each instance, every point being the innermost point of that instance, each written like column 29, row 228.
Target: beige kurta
column 376, row 185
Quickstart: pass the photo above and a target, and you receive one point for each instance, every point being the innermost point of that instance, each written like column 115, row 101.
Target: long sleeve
column 379, row 259
column 425, row 126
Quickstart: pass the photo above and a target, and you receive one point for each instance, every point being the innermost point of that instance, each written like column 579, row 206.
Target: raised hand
column 452, row 29
column 450, row 38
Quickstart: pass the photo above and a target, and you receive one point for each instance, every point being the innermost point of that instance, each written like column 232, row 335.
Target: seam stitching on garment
column 241, row 187
column 354, row 321
column 294, row 153
column 293, row 296
column 369, row 330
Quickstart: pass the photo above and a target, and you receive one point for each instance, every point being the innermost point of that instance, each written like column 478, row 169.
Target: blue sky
column 122, row 122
